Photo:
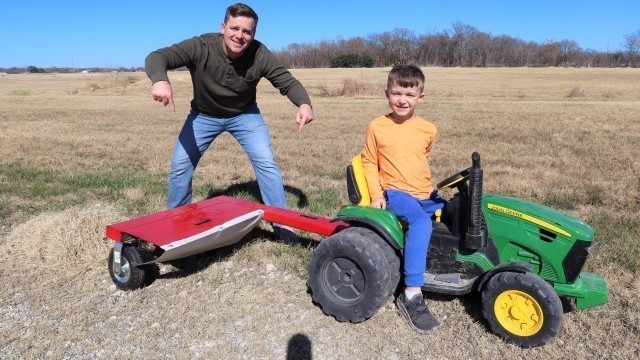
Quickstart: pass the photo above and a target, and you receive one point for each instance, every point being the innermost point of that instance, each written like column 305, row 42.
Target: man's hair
column 241, row 9
column 406, row 76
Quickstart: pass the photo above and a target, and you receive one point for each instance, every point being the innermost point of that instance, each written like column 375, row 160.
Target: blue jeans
column 417, row 215
column 197, row 134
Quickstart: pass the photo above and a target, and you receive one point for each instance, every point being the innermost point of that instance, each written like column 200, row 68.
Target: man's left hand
column 304, row 116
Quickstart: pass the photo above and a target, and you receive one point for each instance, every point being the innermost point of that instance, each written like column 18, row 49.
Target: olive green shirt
column 223, row 87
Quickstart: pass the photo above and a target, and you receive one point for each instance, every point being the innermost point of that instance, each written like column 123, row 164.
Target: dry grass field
column 80, row 151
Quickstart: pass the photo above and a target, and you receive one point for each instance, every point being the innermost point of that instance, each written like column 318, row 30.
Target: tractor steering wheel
column 452, row 180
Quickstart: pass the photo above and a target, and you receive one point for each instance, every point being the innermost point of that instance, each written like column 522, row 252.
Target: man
column 225, row 70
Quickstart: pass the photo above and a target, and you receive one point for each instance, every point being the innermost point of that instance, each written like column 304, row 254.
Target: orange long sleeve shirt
column 395, row 156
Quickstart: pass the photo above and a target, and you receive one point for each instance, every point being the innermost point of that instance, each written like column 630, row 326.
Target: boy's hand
column 379, row 203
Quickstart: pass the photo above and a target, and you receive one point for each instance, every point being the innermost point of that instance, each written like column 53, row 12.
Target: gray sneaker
column 417, row 313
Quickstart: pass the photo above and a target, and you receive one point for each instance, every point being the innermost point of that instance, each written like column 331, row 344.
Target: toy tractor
column 522, row 257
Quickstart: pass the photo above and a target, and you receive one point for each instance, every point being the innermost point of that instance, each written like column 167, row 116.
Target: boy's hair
column 240, row 9
column 406, row 76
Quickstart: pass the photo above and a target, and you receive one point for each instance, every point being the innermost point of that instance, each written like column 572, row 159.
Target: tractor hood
column 543, row 216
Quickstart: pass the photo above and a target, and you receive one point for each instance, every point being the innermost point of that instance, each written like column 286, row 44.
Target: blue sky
column 121, row 33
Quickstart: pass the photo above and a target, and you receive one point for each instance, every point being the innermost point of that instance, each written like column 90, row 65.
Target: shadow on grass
column 472, row 303
column 299, row 347
column 193, row 264
column 250, row 189
column 196, row 263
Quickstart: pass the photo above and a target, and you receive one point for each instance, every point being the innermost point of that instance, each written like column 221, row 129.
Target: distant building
column 3, row 73
column 86, row 71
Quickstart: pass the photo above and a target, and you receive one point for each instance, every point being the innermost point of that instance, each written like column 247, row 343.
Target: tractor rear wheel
column 353, row 273
column 393, row 260
column 522, row 308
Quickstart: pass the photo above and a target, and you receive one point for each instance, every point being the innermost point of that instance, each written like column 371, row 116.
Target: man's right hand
column 161, row 91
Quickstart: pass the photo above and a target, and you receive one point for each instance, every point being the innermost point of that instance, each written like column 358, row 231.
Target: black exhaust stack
column 475, row 237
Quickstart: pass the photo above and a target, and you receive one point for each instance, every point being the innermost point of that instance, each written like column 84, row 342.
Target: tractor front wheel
column 353, row 273
column 130, row 276
column 522, row 308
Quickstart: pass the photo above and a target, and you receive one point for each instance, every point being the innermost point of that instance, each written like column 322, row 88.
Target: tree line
column 63, row 70
column 462, row 45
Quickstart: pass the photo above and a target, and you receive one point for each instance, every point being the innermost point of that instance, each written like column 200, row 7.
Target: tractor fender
column 373, row 225
column 513, row 266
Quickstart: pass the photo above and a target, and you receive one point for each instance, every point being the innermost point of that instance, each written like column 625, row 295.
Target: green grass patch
column 561, row 202
column 325, row 202
column 4, row 210
column 589, row 194
column 33, row 190
column 20, row 92
column 294, row 259
column 617, row 241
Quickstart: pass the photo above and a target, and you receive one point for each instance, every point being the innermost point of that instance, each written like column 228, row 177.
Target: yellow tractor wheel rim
column 519, row 313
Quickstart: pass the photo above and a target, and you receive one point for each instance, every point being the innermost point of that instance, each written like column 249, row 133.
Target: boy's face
column 403, row 101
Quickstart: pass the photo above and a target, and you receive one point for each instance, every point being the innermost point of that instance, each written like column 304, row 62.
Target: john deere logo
column 528, row 218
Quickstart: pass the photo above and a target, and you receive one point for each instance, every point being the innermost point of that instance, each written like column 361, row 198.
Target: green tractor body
column 554, row 244
column 549, row 243
column 520, row 255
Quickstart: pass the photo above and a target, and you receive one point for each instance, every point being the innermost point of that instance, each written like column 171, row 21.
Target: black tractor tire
column 522, row 308
column 393, row 258
column 353, row 273
column 131, row 276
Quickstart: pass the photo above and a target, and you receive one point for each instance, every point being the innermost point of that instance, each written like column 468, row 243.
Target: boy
column 399, row 179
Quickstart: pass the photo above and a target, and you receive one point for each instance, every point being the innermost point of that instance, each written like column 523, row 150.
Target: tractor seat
column 357, row 185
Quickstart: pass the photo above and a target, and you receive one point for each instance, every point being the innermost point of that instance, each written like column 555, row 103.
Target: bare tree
column 394, row 47
column 463, row 36
column 402, row 41
column 632, row 47
column 568, row 50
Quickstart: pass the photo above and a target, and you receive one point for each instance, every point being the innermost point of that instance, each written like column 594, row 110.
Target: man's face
column 403, row 100
column 238, row 33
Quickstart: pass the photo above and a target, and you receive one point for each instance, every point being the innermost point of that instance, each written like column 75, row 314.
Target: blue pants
column 197, row 134
column 417, row 215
